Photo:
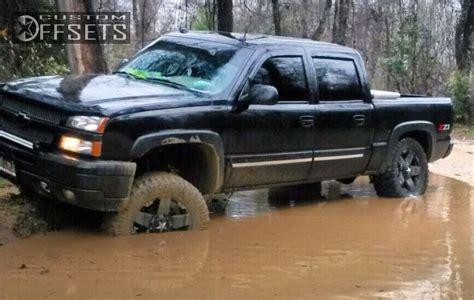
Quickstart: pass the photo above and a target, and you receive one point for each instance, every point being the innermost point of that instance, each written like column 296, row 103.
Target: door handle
column 307, row 121
column 359, row 120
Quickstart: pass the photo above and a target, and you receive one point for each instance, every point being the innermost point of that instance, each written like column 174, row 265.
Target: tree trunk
column 304, row 19
column 143, row 15
column 83, row 58
column 276, row 16
column 322, row 21
column 341, row 13
column 464, row 37
column 136, row 22
column 464, row 51
column 142, row 26
column 225, row 20
column 211, row 14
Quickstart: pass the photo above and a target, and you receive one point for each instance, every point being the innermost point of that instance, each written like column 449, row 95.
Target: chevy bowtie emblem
column 22, row 119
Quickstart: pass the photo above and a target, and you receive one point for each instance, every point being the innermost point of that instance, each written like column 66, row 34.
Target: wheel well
column 421, row 137
column 196, row 163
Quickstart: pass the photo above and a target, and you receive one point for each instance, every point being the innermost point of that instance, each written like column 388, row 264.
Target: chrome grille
column 31, row 132
column 35, row 112
column 40, row 127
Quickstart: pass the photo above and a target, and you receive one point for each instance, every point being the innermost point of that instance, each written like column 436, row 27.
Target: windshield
column 198, row 65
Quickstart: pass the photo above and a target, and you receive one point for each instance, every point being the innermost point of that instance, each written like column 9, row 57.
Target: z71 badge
column 444, row 127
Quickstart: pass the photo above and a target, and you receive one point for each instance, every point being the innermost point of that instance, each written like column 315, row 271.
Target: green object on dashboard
column 144, row 74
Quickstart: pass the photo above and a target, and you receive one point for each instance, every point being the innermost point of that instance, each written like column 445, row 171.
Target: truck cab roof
column 253, row 40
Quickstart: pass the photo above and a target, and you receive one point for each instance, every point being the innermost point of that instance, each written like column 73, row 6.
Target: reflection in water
column 248, row 203
column 266, row 245
column 446, row 280
column 251, row 203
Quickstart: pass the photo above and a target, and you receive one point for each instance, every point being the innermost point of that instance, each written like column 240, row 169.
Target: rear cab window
column 337, row 79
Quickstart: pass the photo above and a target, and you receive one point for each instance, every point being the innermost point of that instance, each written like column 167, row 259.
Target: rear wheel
column 160, row 202
column 406, row 173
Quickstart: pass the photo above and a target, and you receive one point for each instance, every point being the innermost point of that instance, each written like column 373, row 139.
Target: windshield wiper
column 129, row 74
column 175, row 85
column 161, row 80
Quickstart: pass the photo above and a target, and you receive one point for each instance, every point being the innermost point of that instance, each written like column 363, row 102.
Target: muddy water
column 262, row 246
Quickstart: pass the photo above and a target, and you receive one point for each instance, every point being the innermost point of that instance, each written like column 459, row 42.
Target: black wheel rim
column 409, row 171
column 162, row 215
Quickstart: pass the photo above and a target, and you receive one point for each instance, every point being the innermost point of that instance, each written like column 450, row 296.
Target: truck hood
column 108, row 95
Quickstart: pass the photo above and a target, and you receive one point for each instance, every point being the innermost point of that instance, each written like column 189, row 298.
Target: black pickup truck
column 198, row 114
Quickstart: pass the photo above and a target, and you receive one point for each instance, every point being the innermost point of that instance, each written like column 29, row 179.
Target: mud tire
column 152, row 186
column 388, row 183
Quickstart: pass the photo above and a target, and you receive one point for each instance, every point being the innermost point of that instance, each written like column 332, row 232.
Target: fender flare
column 210, row 139
column 406, row 127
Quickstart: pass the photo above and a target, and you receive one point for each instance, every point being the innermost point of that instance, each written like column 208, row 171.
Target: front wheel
column 406, row 173
column 160, row 202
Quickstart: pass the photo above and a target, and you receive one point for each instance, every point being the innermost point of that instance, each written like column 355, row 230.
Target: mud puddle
column 262, row 246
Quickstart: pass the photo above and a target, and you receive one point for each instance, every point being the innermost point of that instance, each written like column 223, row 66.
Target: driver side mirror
column 263, row 94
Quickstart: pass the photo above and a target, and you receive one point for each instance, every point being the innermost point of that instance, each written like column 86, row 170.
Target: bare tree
column 83, row 58
column 136, row 19
column 144, row 13
column 225, row 19
column 210, row 13
column 304, row 19
column 464, row 49
column 465, row 36
column 276, row 17
column 322, row 21
column 341, row 13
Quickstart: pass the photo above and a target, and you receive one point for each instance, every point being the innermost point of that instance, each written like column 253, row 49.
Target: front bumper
column 92, row 184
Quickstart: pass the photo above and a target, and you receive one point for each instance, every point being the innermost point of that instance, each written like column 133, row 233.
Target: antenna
column 244, row 38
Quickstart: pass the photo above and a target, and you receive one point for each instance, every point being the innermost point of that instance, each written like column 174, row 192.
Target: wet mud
column 347, row 244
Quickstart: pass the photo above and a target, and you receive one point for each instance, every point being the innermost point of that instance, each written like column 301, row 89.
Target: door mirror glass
column 263, row 94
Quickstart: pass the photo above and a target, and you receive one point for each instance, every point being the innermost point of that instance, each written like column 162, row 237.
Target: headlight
column 92, row 124
column 80, row 146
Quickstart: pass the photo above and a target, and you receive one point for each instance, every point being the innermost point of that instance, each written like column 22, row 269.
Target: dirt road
column 460, row 164
column 262, row 246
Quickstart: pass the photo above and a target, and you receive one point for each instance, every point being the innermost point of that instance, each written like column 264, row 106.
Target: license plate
column 7, row 166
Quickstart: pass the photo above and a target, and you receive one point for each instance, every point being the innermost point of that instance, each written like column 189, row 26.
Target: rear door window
column 337, row 79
